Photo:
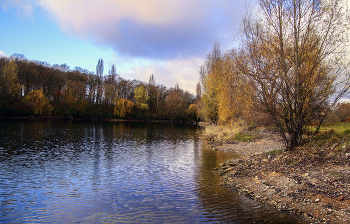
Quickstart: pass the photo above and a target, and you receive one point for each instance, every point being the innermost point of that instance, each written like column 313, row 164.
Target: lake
column 114, row 172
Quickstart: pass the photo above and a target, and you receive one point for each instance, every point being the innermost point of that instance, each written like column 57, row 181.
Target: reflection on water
column 116, row 172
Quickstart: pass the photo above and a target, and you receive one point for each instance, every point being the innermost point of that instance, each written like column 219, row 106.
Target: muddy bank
column 312, row 182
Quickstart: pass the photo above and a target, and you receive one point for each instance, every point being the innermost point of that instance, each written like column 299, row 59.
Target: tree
column 38, row 102
column 234, row 100
column 293, row 54
column 99, row 75
column 92, row 87
column 342, row 111
column 210, row 76
column 177, row 103
column 152, row 95
column 123, row 107
column 198, row 93
column 192, row 112
column 9, row 77
column 141, row 98
column 223, row 95
column 173, row 104
column 110, row 90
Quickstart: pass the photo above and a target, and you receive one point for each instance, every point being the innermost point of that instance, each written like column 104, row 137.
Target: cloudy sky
column 167, row 38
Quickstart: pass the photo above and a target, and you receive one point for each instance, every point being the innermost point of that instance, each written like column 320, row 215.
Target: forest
column 35, row 88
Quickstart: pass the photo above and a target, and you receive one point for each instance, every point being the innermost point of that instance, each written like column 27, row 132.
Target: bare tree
column 293, row 52
column 99, row 74
column 152, row 93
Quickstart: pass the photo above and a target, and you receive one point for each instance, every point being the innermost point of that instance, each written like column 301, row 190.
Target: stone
column 275, row 174
column 341, row 198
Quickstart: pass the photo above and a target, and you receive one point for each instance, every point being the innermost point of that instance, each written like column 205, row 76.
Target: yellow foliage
column 38, row 102
column 141, row 98
column 226, row 93
column 192, row 112
column 123, row 107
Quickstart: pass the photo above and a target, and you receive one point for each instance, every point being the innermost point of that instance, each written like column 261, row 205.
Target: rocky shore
column 312, row 182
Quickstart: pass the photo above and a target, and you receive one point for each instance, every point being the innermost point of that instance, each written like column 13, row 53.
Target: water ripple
column 61, row 172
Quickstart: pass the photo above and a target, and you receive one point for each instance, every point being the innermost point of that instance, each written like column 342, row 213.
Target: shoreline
column 63, row 118
column 292, row 182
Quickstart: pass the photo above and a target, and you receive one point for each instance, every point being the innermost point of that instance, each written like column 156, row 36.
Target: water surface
column 71, row 172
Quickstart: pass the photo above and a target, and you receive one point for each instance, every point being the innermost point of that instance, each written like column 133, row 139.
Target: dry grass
column 222, row 132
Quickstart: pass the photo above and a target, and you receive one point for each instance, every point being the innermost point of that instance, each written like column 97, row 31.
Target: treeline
column 37, row 88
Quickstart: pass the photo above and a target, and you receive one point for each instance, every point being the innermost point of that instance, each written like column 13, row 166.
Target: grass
column 331, row 132
column 336, row 127
column 332, row 136
column 244, row 137
column 276, row 151
column 222, row 132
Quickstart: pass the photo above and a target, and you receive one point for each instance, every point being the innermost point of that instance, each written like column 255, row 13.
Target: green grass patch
column 276, row 151
column 244, row 137
column 331, row 135
column 336, row 127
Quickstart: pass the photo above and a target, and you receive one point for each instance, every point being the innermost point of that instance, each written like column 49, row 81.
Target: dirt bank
column 312, row 182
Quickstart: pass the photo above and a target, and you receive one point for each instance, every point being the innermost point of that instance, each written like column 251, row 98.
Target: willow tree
column 38, row 102
column 210, row 74
column 293, row 52
column 224, row 89
column 234, row 100
column 123, row 107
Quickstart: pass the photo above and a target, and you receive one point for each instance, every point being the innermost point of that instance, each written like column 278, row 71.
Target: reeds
column 225, row 132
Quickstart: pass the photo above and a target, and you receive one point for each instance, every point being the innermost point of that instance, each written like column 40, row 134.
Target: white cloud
column 344, row 100
column 152, row 29
column 181, row 71
column 24, row 7
column 162, row 37
column 168, row 73
column 2, row 54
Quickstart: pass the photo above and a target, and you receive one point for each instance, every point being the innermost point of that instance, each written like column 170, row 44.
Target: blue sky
column 166, row 38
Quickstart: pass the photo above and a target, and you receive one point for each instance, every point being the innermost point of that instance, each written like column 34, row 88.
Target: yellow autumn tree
column 38, row 102
column 141, row 98
column 234, row 95
column 210, row 74
column 225, row 93
column 192, row 112
column 123, row 107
